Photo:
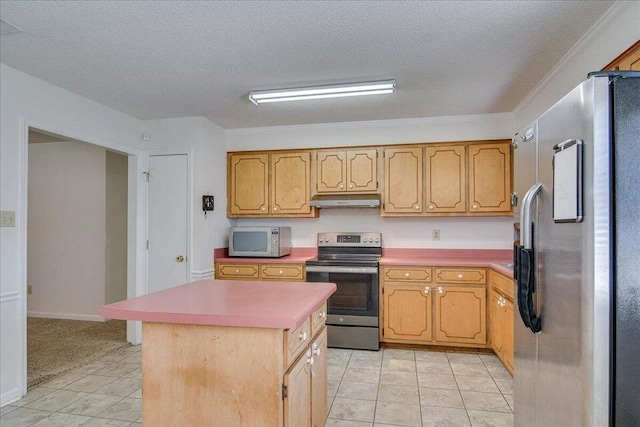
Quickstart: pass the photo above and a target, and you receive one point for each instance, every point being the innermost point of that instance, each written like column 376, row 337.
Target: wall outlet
column 436, row 234
column 7, row 219
column 29, row 289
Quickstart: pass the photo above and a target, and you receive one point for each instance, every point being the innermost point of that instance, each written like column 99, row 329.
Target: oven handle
column 335, row 269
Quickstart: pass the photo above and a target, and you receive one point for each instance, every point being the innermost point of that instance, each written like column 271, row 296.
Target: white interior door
column 168, row 221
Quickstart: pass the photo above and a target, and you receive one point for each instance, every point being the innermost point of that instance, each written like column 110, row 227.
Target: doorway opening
column 77, row 247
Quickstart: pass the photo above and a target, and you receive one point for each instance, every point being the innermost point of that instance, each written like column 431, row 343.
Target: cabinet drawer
column 318, row 318
column 461, row 275
column 406, row 274
column 295, row 341
column 503, row 284
column 237, row 271
column 281, row 272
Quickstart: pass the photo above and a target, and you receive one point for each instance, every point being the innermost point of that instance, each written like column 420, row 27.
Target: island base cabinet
column 319, row 406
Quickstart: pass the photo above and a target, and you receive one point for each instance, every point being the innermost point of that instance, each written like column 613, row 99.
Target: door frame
column 136, row 222
column 173, row 152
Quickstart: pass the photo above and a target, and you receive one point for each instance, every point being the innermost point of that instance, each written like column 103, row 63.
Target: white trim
column 68, row 316
column 202, row 274
column 376, row 123
column 10, row 296
column 604, row 22
column 11, row 396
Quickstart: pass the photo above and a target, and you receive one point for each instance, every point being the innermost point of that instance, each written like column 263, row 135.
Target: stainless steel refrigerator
column 577, row 258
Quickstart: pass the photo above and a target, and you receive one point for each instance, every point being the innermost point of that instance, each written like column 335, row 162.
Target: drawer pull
column 431, row 207
column 237, row 271
column 341, row 185
column 322, row 314
column 263, row 209
column 440, row 290
column 350, row 185
column 406, row 275
column 459, row 276
column 303, row 336
column 281, row 272
column 418, row 207
column 475, row 206
column 427, row 289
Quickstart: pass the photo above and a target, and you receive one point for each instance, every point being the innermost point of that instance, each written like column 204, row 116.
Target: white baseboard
column 69, row 316
column 10, row 396
column 202, row 274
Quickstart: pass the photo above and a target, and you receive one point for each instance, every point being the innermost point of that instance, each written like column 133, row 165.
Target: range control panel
column 368, row 240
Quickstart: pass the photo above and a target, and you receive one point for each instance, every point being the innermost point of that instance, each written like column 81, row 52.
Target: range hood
column 345, row 201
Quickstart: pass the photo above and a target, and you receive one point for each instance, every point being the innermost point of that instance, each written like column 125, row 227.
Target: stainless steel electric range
column 350, row 260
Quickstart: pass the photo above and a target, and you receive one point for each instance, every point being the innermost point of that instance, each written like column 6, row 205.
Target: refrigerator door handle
column 526, row 229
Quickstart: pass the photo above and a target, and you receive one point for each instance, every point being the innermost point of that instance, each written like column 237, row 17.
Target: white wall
column 481, row 232
column 116, row 227
column 611, row 35
column 66, row 230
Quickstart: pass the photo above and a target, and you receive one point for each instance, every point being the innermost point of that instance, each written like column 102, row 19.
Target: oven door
column 355, row 302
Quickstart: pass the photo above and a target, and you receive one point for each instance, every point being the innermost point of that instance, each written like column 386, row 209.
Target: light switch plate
column 7, row 219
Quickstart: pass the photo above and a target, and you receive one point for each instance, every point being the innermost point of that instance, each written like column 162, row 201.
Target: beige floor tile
column 464, row 358
column 135, row 425
column 127, row 409
column 331, row 422
column 509, row 399
column 353, row 409
column 505, row 385
column 136, row 394
column 103, row 422
column 365, row 363
column 470, row 370
column 432, row 356
column 136, row 373
column 392, row 353
column 433, row 367
column 440, row 397
column 114, row 357
column 33, row 394
column 366, row 354
column 490, row 419
column 23, row 417
column 439, row 417
column 90, row 368
column 56, row 400
column 399, row 365
column 437, row 381
column 484, row 384
column 335, row 373
column 490, row 359
column 62, row 381
column 131, row 349
column 364, row 375
column 332, row 387
column 135, row 358
column 498, row 371
column 90, row 383
column 122, row 387
column 6, row 409
column 358, row 390
column 338, row 358
column 398, row 378
column 59, row 419
column 485, row 401
column 91, row 405
column 117, row 369
column 398, row 413
column 398, row 394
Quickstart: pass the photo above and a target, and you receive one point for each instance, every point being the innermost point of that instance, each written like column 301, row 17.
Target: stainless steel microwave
column 258, row 242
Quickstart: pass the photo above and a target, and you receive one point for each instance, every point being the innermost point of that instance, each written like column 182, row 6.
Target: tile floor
column 384, row 388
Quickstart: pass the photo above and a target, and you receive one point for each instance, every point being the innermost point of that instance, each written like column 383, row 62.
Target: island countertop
column 253, row 304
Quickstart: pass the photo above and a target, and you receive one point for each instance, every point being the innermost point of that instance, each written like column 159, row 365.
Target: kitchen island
column 222, row 353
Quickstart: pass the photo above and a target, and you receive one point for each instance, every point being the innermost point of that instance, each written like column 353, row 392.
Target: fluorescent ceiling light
column 317, row 92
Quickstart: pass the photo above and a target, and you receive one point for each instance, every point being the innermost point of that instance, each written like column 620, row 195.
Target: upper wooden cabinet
column 276, row 184
column 490, row 178
column 629, row 60
column 346, row 170
column 445, row 179
column 403, row 180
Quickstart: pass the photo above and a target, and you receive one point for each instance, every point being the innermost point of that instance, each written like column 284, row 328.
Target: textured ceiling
column 186, row 58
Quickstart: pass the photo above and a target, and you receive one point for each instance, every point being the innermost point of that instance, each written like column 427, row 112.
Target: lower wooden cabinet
column 407, row 312
column 501, row 312
column 461, row 315
column 274, row 272
column 305, row 402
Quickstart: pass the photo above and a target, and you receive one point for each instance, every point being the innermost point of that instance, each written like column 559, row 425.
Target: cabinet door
column 445, row 179
column 291, row 185
column 461, row 314
column 403, row 180
column 319, row 380
column 248, row 184
column 407, row 312
column 331, row 171
column 362, row 166
column 490, row 178
column 508, row 335
column 497, row 325
column 297, row 404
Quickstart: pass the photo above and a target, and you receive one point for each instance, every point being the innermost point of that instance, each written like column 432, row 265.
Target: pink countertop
column 280, row 305
column 297, row 256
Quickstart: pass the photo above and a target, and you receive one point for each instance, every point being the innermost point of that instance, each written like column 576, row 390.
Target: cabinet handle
column 418, row 207
column 281, row 272
column 341, row 186
column 237, row 271
column 263, row 209
column 459, row 276
column 303, row 336
column 475, row 206
column 275, row 209
column 427, row 289
column 407, row 274
column 322, row 314
column 440, row 290
column 431, row 206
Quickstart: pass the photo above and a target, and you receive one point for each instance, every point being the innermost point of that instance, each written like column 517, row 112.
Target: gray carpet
column 56, row 346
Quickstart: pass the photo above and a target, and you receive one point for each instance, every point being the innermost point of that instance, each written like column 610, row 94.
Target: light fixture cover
column 328, row 91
